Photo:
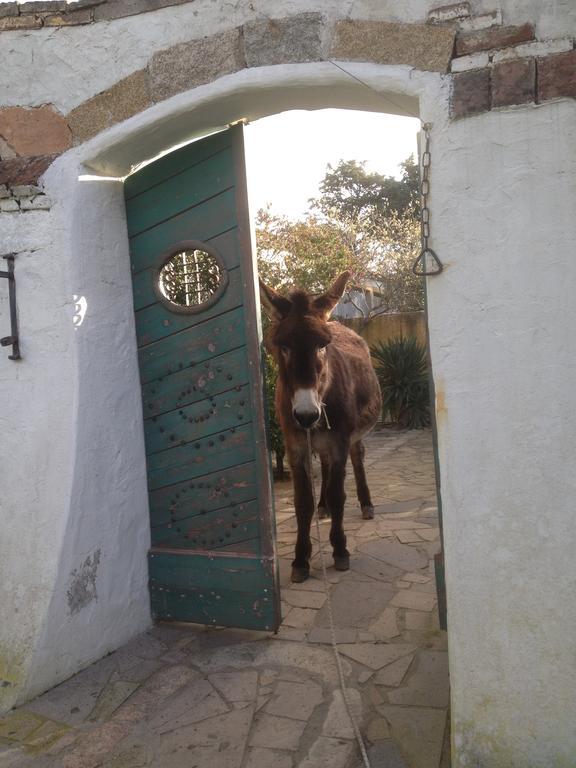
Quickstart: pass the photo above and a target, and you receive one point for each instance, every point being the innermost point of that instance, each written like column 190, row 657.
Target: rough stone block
column 446, row 13
column 20, row 22
column 283, row 41
column 539, row 48
column 36, row 131
column 470, row 93
column 557, row 76
column 466, row 63
column 40, row 203
column 493, row 37
column 422, row 46
column 514, row 82
column 26, row 190
column 24, row 170
column 121, row 8
column 189, row 65
column 126, row 98
column 484, row 21
column 9, row 205
column 4, row 191
column 8, row 9
column 40, row 6
column 70, row 19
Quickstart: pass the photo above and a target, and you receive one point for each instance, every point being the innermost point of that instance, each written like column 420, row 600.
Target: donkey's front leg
column 323, row 509
column 304, row 504
column 335, row 497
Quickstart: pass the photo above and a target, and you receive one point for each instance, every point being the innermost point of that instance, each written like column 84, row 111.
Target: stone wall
column 494, row 65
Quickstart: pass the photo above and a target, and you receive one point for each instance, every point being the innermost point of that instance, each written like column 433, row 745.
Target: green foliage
column 402, row 370
column 349, row 192
column 306, row 253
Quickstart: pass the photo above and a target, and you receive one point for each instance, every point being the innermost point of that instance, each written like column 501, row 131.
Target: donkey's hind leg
column 357, row 452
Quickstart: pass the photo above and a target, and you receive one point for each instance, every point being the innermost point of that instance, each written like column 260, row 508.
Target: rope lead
column 347, row 704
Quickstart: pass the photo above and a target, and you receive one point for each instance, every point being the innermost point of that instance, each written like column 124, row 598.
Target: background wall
column 383, row 328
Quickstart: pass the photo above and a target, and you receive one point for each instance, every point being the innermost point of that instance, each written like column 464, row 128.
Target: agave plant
column 402, row 370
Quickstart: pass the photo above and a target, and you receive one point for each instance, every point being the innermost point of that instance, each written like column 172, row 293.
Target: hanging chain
column 427, row 262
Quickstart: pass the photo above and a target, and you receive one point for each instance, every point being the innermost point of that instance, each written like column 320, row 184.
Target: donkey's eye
column 285, row 350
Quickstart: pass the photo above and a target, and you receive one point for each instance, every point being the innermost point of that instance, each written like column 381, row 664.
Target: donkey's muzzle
column 307, row 419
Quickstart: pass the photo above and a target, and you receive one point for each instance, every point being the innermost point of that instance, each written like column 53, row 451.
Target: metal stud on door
column 212, row 559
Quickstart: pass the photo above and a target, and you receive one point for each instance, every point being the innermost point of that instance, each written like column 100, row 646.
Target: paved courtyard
column 182, row 696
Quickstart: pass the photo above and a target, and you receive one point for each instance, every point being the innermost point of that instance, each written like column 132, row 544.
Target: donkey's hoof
column 367, row 513
column 342, row 562
column 323, row 513
column 300, row 573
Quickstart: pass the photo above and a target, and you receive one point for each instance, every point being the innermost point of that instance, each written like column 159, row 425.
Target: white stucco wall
column 501, row 317
column 73, row 574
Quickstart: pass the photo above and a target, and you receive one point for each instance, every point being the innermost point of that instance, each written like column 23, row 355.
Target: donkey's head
column 298, row 338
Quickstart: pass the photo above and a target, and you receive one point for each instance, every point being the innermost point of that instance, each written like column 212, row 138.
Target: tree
column 349, row 193
column 305, row 253
column 364, row 222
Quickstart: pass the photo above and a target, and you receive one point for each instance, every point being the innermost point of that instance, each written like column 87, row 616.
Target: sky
column 287, row 154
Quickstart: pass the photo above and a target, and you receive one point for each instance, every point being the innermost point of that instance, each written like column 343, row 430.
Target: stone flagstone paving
column 184, row 696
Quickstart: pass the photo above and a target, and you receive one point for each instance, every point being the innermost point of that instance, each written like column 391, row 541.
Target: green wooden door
column 212, row 559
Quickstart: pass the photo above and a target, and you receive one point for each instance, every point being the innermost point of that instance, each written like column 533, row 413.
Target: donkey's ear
column 327, row 301
column 275, row 305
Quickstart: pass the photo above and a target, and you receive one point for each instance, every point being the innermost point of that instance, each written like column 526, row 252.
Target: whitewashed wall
column 73, row 501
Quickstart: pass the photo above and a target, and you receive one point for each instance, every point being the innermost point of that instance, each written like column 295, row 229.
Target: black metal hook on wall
column 13, row 338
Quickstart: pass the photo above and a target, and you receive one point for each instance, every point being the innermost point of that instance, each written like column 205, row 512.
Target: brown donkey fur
column 326, row 383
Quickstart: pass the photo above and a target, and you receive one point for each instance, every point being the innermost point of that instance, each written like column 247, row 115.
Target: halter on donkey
column 326, row 384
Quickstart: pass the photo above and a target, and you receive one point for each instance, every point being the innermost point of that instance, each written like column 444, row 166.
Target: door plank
column 198, row 421
column 186, row 350
column 189, row 188
column 238, row 525
column 191, row 385
column 173, row 163
column 200, row 457
column 203, row 494
column 202, row 222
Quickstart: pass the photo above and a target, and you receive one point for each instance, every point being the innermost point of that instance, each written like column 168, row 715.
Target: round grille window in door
column 212, row 559
column 192, row 277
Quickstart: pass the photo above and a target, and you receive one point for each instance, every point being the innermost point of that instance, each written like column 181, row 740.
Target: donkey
column 326, row 384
